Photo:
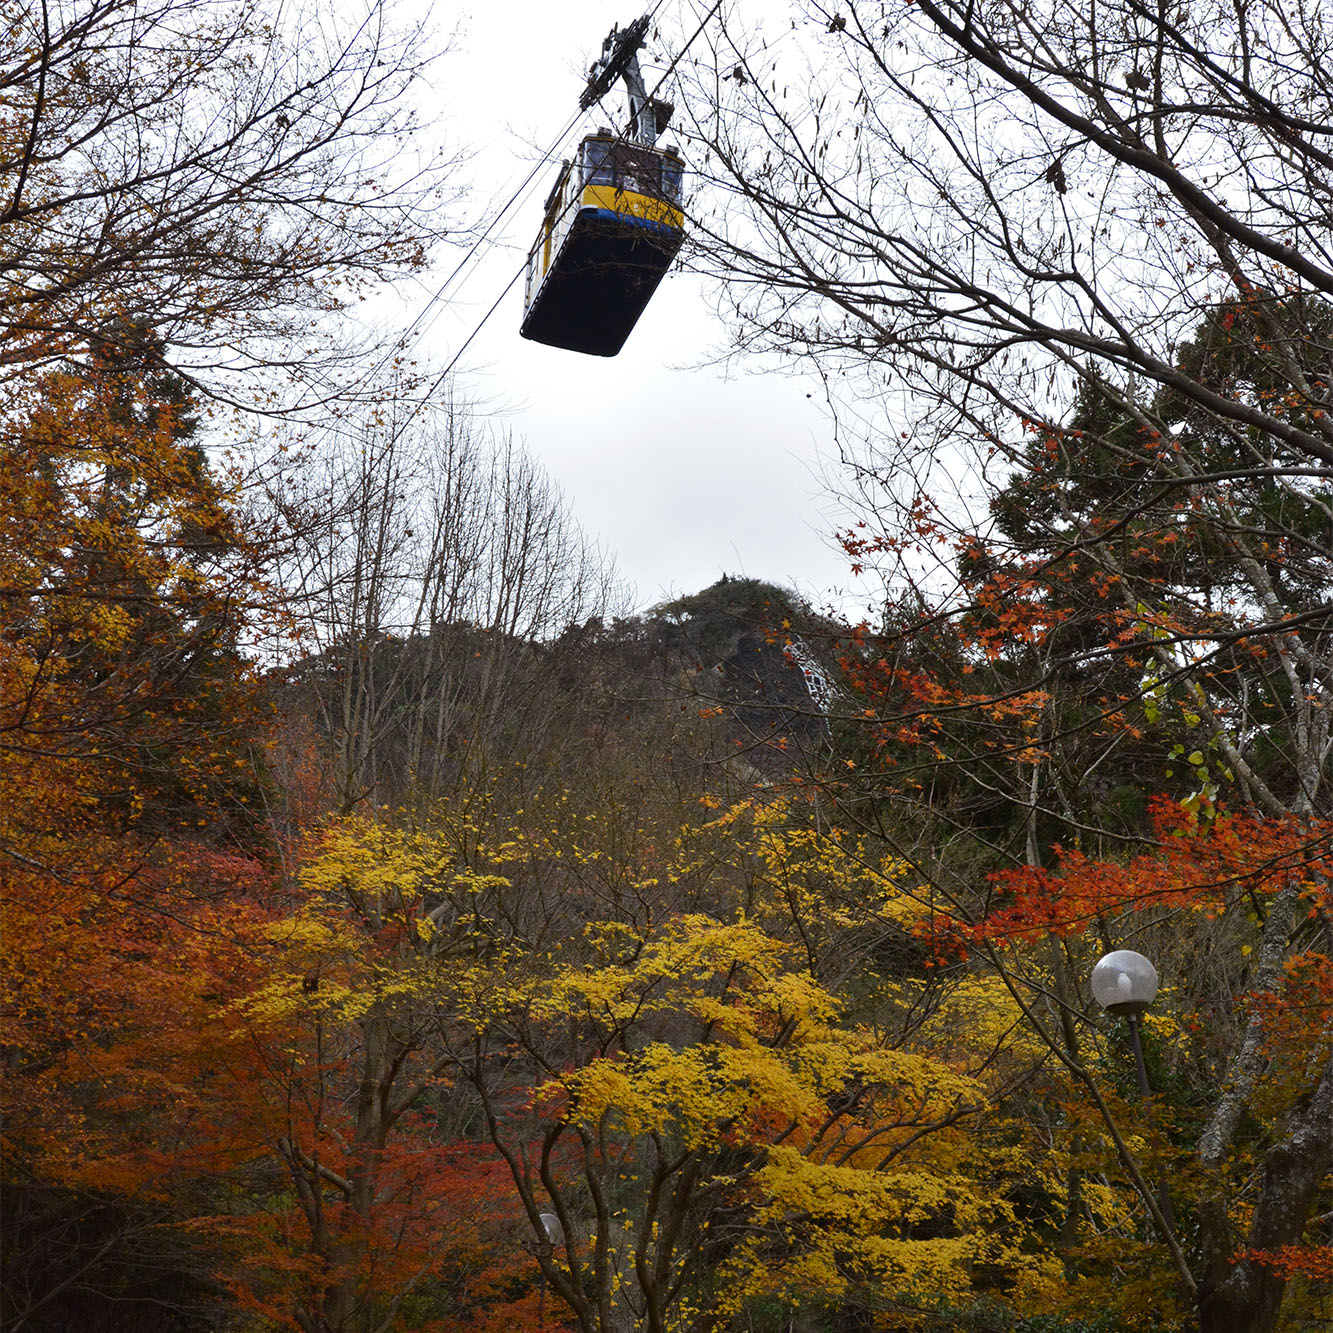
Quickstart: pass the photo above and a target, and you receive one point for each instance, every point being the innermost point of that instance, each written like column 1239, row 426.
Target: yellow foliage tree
column 695, row 1124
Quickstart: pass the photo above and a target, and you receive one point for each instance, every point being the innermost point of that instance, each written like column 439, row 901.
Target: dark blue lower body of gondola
column 605, row 274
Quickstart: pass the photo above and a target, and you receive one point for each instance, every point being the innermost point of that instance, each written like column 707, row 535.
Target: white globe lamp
column 1124, row 982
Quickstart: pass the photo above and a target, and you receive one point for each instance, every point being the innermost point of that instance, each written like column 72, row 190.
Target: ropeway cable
column 540, row 164
column 420, row 325
column 453, row 361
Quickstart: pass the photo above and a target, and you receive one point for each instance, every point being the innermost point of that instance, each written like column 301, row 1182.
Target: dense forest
column 400, row 931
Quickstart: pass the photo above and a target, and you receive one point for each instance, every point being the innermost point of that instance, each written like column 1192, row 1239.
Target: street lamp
column 1125, row 982
column 552, row 1234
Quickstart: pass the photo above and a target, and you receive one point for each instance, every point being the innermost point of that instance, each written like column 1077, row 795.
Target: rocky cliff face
column 760, row 656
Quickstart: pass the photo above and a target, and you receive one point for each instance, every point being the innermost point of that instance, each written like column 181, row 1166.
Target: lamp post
column 1125, row 982
column 553, row 1234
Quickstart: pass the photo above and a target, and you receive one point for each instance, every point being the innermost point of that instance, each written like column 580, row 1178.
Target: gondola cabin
column 612, row 226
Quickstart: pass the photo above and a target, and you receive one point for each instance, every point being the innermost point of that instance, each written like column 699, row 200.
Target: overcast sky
column 680, row 473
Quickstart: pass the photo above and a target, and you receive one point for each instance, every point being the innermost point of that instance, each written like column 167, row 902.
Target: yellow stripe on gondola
column 634, row 205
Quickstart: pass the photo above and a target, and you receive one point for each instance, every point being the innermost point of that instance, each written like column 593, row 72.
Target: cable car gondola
column 612, row 224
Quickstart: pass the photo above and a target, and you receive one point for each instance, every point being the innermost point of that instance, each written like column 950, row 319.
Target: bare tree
column 434, row 562
column 1081, row 259
column 231, row 172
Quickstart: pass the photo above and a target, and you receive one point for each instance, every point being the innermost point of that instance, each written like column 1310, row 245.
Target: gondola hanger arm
column 620, row 60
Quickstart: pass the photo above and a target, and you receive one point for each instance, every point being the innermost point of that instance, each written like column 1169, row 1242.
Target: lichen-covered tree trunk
column 1246, row 1296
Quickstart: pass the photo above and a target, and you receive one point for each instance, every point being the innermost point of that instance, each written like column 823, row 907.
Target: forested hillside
column 401, row 930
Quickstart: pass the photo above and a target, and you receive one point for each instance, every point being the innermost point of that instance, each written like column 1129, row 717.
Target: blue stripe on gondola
column 630, row 219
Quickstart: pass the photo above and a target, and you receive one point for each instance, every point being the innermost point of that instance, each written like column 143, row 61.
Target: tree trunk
column 1246, row 1297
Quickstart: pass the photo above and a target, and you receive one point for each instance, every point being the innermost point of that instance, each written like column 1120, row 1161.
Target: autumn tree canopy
column 398, row 935
column 185, row 191
column 1080, row 265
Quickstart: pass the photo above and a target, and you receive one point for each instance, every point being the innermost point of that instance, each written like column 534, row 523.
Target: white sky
column 680, row 473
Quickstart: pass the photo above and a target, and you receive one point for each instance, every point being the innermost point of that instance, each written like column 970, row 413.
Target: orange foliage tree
column 1116, row 763
column 230, row 171
column 129, row 730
